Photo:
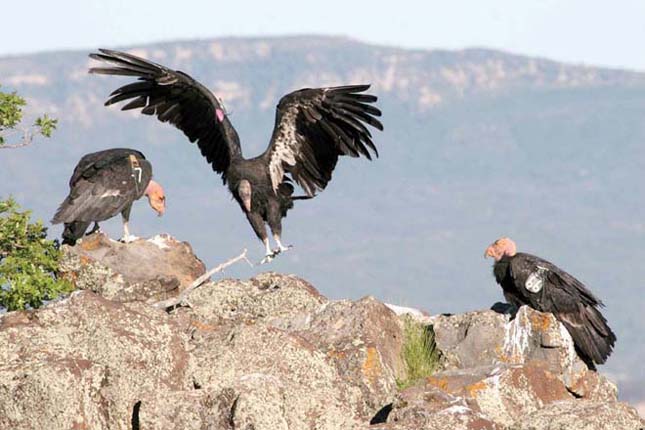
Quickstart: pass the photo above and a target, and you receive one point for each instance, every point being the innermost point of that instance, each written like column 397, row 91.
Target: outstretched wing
column 314, row 127
column 550, row 289
column 103, row 185
column 174, row 97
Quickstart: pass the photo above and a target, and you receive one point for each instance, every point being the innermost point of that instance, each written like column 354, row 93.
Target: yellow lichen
column 539, row 321
column 440, row 383
column 202, row 326
column 475, row 388
column 372, row 365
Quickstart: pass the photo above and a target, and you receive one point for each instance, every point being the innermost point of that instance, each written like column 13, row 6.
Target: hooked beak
column 489, row 252
column 247, row 203
column 158, row 204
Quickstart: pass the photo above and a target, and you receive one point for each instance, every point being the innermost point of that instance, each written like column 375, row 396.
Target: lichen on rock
column 271, row 353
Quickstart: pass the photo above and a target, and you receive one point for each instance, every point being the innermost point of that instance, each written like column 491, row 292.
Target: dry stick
column 27, row 138
column 172, row 302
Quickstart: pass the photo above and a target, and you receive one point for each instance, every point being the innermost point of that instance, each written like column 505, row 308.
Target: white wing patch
column 110, row 193
column 284, row 149
column 535, row 282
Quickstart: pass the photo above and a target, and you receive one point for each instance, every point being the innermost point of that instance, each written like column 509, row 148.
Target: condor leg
column 260, row 230
column 94, row 229
column 275, row 222
column 127, row 237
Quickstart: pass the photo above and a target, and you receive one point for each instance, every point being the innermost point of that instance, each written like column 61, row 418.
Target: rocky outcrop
column 272, row 353
column 582, row 415
column 500, row 371
column 83, row 363
column 146, row 270
column 360, row 340
column 491, row 338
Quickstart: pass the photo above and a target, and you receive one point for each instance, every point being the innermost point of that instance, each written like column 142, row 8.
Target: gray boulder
column 84, row 362
column 426, row 407
column 582, row 415
column 362, row 339
column 283, row 301
column 297, row 379
column 490, row 338
column 143, row 270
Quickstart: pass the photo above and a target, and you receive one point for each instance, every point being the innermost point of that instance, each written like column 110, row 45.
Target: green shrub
column 419, row 352
column 11, row 114
column 28, row 260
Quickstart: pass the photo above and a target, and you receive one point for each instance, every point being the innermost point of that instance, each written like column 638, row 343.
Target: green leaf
column 10, row 109
column 11, row 115
column 46, row 125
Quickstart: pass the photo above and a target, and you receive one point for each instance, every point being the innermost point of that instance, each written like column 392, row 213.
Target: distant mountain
column 478, row 144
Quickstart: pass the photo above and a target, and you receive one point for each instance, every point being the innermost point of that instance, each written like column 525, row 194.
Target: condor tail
column 591, row 335
column 74, row 231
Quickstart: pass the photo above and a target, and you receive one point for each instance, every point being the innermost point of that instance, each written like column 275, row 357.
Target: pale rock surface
column 582, row 415
column 272, row 353
column 143, row 270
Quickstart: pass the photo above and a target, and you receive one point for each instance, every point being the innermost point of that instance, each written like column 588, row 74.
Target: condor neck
column 500, row 269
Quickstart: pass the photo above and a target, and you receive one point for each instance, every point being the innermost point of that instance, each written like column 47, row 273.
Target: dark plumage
column 104, row 184
column 313, row 127
column 530, row 280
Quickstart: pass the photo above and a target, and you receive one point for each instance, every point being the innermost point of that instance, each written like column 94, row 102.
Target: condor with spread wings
column 533, row 281
column 313, row 128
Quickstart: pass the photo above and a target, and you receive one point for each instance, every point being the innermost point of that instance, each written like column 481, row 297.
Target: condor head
column 501, row 247
column 156, row 197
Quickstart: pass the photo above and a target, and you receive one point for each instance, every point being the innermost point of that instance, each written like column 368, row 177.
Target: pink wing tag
column 219, row 114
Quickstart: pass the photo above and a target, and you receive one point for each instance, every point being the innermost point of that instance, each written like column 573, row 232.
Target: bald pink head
column 156, row 197
column 501, row 247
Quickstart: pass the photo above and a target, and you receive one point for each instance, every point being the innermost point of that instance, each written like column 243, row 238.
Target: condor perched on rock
column 104, row 184
column 530, row 280
column 313, row 127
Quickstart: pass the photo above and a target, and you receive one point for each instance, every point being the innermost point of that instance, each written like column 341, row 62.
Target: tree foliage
column 11, row 114
column 28, row 260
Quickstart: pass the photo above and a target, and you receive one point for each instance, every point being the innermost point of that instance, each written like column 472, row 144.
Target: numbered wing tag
column 136, row 168
column 136, row 174
column 535, row 281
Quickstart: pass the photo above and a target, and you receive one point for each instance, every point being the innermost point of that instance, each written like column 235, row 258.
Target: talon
column 281, row 249
column 268, row 258
column 129, row 238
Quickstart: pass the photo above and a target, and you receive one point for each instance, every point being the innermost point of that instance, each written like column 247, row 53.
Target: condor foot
column 269, row 257
column 128, row 238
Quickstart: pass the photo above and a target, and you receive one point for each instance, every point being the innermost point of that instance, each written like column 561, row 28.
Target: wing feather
column 102, row 185
column 316, row 126
column 571, row 303
column 176, row 98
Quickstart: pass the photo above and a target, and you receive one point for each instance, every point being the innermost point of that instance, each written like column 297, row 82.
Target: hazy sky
column 597, row 32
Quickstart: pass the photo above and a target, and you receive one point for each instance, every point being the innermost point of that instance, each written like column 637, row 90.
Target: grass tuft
column 419, row 352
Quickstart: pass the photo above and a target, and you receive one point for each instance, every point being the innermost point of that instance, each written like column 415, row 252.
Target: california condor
column 313, row 127
column 530, row 280
column 104, row 184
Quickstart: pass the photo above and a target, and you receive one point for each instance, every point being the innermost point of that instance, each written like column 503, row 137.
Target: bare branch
column 180, row 300
column 27, row 138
